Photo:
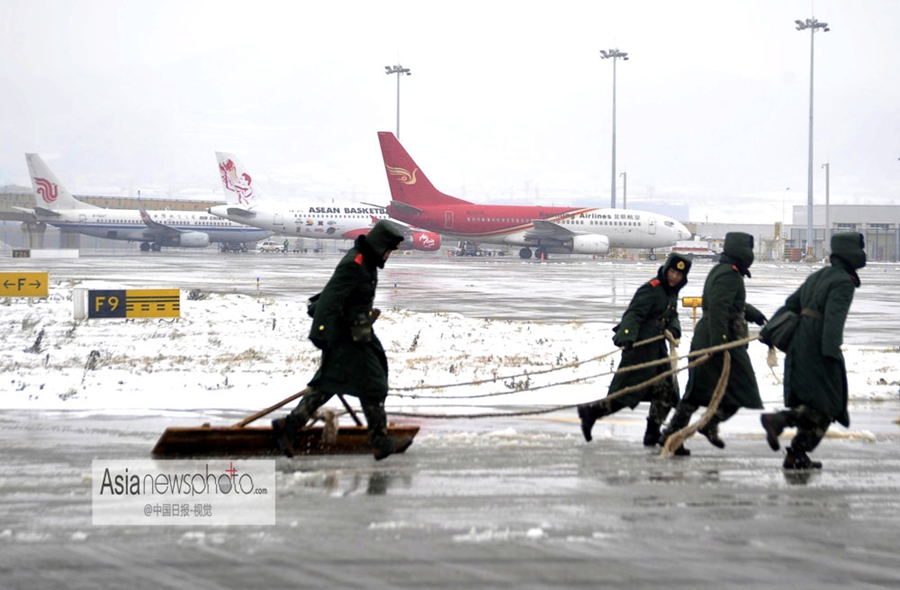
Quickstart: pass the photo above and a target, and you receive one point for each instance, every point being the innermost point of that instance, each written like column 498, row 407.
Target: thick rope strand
column 676, row 439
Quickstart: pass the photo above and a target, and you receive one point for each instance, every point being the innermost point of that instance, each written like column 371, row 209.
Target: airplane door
column 279, row 219
column 448, row 219
column 652, row 226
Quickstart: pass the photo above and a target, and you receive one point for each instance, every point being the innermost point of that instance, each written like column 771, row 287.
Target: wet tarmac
column 501, row 503
column 515, row 503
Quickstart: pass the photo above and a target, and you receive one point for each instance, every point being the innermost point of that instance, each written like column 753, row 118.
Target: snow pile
column 241, row 352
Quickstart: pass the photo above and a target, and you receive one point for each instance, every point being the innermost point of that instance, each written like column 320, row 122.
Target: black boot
column 774, row 425
column 680, row 419
column 590, row 413
column 389, row 445
column 711, row 432
column 285, row 430
column 383, row 445
column 682, row 452
column 651, row 435
column 798, row 459
column 283, row 436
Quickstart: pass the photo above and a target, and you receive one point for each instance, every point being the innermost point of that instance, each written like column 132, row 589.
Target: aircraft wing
column 39, row 211
column 405, row 229
column 399, row 207
column 32, row 212
column 155, row 227
column 404, row 209
column 549, row 230
column 241, row 212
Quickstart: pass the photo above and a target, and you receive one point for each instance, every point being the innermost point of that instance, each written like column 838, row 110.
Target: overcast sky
column 508, row 102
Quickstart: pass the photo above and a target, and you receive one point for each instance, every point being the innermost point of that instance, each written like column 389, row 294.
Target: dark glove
column 361, row 330
column 761, row 320
column 375, row 314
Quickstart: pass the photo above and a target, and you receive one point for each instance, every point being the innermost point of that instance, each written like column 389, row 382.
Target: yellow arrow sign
column 24, row 284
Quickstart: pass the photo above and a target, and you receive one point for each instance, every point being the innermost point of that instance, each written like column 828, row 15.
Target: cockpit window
column 670, row 224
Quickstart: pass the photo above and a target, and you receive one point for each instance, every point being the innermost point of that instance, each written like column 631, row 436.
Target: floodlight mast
column 615, row 55
column 399, row 70
column 813, row 25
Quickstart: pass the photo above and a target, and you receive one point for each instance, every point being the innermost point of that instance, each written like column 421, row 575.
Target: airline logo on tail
column 402, row 174
column 240, row 185
column 46, row 189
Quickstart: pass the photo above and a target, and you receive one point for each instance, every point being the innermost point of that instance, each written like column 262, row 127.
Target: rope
column 676, row 439
column 525, row 374
column 772, row 361
column 704, row 354
column 551, row 409
column 673, row 359
column 537, row 387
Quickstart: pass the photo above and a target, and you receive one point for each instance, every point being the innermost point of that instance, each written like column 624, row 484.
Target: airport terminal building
column 879, row 224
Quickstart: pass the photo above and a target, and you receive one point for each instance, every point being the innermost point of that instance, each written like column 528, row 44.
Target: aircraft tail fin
column 49, row 193
column 408, row 183
column 240, row 189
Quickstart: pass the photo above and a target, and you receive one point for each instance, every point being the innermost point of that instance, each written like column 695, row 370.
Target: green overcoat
column 652, row 311
column 357, row 368
column 814, row 370
column 725, row 315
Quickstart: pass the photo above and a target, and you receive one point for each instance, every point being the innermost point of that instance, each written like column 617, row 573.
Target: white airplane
column 248, row 204
column 56, row 206
column 577, row 230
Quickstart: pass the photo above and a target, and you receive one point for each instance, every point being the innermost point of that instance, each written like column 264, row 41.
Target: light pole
column 615, row 54
column 827, row 168
column 397, row 69
column 813, row 25
column 624, row 176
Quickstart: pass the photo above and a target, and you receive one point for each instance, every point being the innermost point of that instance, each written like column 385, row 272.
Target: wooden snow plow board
column 228, row 441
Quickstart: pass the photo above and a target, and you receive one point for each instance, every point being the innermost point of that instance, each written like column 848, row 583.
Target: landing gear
column 525, row 253
column 145, row 246
column 651, row 256
column 541, row 253
column 155, row 247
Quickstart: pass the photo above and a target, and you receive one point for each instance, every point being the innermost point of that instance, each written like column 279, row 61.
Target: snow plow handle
column 269, row 410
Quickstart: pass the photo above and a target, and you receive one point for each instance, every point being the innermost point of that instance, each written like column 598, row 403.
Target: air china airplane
column 56, row 206
column 248, row 204
column 576, row 230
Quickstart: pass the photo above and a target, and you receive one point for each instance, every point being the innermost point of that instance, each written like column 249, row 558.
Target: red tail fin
column 408, row 183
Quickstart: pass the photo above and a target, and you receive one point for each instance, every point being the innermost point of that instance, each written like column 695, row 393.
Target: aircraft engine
column 587, row 244
column 425, row 240
column 193, row 239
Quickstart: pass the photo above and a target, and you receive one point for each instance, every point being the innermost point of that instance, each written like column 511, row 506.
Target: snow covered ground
column 243, row 352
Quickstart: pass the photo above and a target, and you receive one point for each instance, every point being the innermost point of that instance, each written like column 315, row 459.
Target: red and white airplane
column 247, row 203
column 567, row 230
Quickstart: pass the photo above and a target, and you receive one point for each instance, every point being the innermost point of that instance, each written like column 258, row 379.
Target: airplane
column 567, row 230
column 248, row 204
column 56, row 206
